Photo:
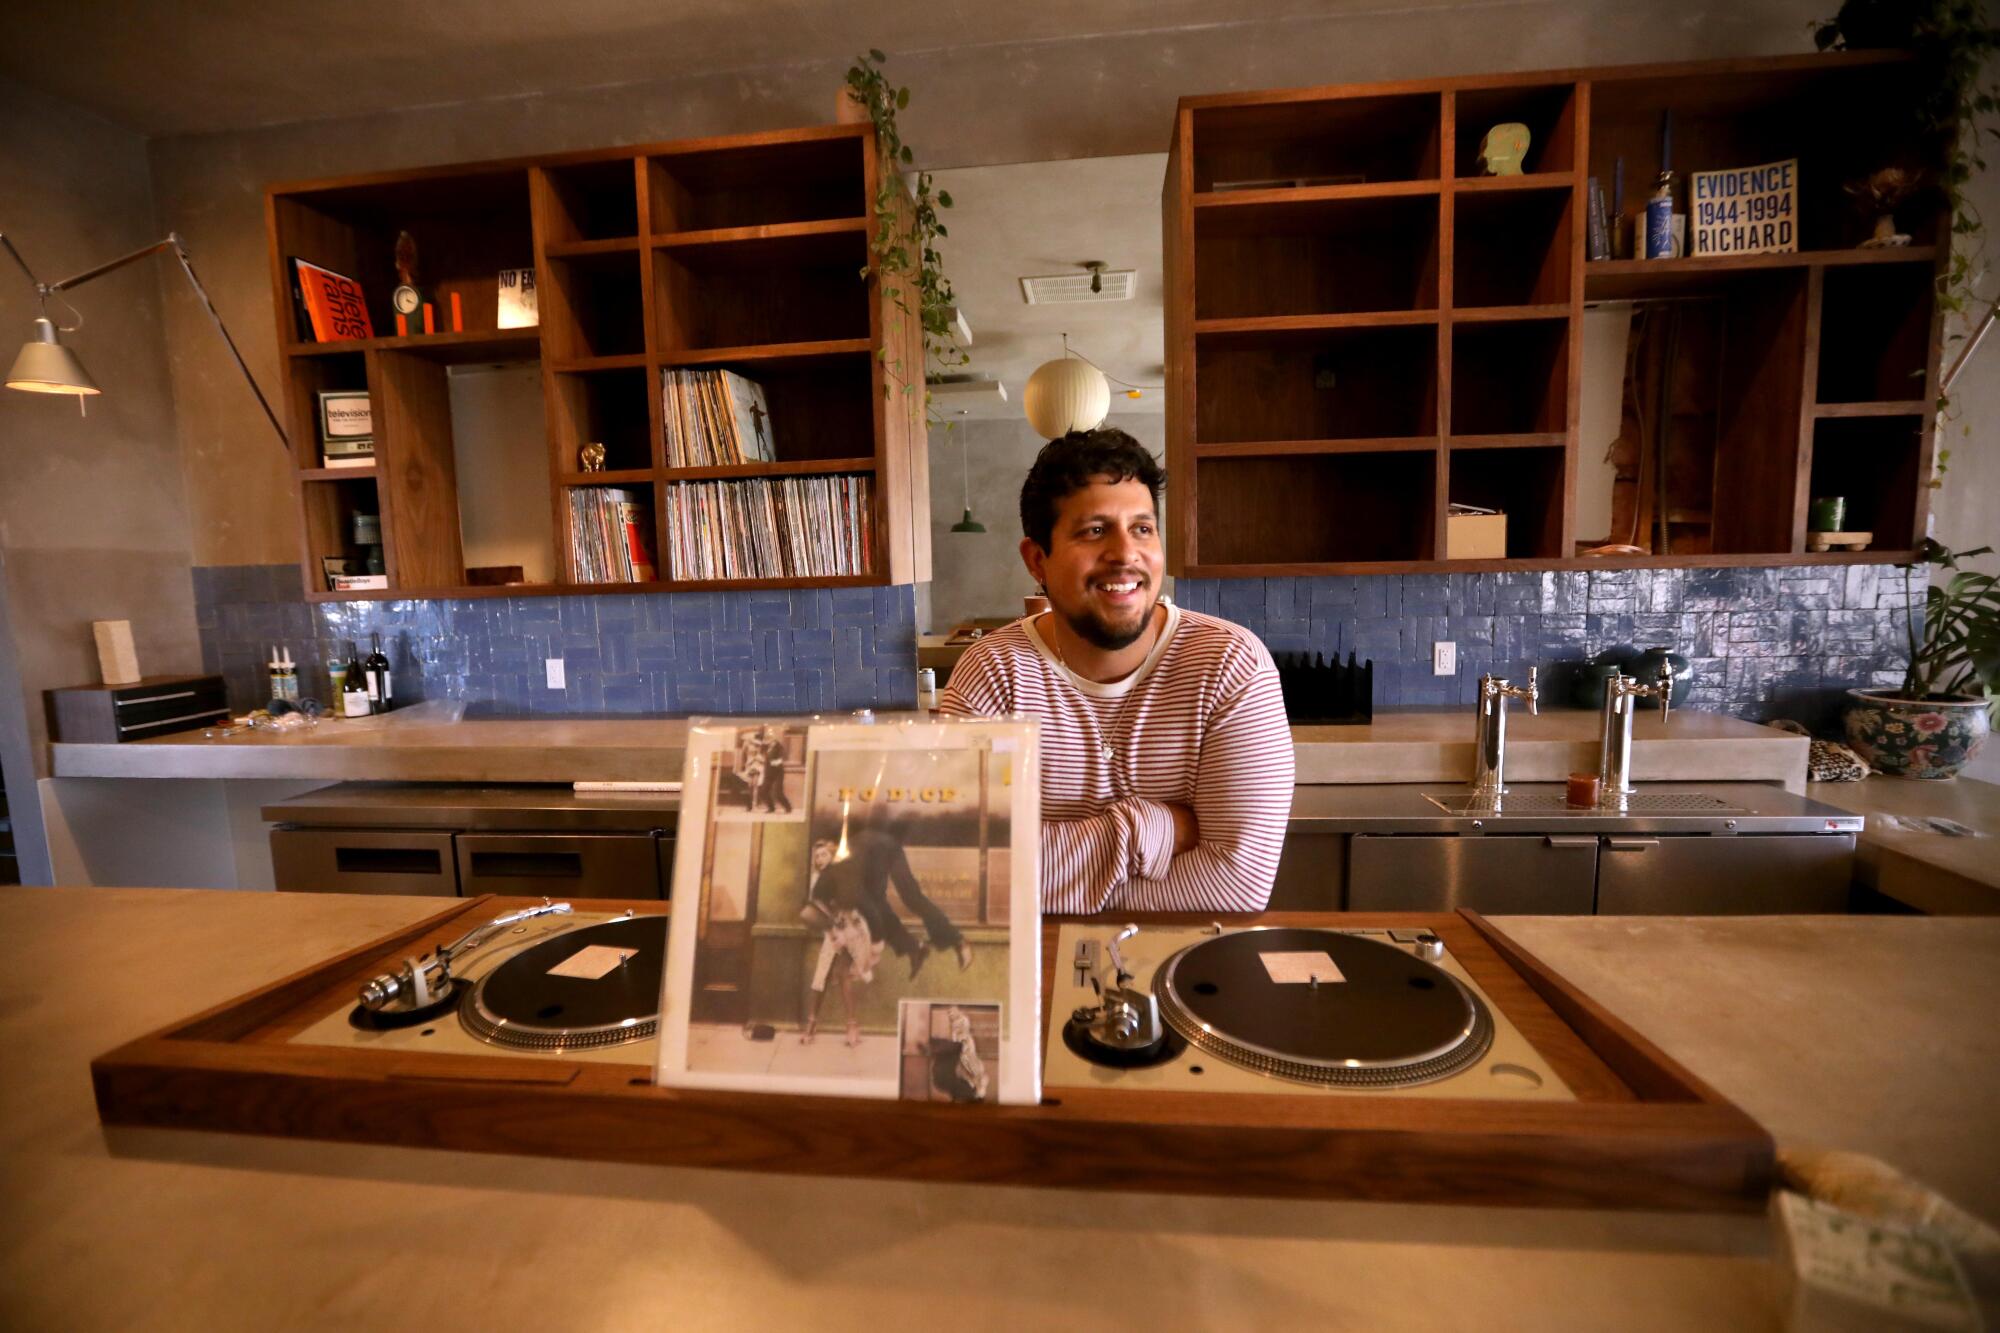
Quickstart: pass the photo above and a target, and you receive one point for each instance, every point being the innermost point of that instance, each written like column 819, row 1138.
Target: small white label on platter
column 1298, row 968
column 591, row 962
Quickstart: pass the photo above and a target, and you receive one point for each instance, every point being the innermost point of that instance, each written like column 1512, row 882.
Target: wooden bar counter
column 1863, row 1033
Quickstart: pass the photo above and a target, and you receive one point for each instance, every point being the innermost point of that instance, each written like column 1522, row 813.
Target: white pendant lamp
column 1066, row 395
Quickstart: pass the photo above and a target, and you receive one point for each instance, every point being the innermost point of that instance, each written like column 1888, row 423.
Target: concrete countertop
column 428, row 744
column 1867, row 1034
column 1932, row 872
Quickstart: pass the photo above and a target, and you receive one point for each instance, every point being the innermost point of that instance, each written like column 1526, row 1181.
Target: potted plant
column 1933, row 724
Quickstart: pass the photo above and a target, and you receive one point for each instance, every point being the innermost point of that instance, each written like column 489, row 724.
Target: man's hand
column 1186, row 831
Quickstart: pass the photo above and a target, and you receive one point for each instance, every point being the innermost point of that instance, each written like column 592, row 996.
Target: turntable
column 1281, row 1009
column 541, row 980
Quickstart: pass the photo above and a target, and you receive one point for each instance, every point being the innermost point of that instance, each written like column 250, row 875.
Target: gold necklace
column 1104, row 748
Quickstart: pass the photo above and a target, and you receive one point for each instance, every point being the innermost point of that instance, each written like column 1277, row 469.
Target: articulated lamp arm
column 172, row 242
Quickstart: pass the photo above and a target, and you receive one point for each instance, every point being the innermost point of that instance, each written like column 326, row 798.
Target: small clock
column 405, row 299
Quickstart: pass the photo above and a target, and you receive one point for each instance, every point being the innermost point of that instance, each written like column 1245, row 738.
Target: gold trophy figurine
column 592, row 457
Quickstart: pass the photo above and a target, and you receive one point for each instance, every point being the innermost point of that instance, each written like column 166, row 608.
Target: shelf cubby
column 307, row 377
column 761, row 292
column 1316, row 509
column 1512, row 248
column 1526, row 484
column 1332, row 384
column 822, row 412
column 1325, row 141
column 591, row 201
column 645, row 519
column 1875, row 333
column 608, row 407
column 1510, row 378
column 1877, row 464
column 467, row 227
column 593, row 306
column 707, row 185
column 330, row 507
column 1548, row 110
column 1317, row 256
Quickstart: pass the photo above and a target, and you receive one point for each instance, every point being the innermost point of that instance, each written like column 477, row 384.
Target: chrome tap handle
column 1665, row 687
column 1531, row 695
column 421, row 980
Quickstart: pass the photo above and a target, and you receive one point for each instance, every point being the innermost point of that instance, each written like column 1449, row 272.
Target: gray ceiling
column 188, row 66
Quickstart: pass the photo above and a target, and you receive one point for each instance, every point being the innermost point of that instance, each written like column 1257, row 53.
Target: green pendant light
column 968, row 523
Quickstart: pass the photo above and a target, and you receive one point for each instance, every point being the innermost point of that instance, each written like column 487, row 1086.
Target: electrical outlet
column 1444, row 658
column 555, row 665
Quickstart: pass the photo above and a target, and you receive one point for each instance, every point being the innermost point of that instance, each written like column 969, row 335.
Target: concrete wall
column 93, row 516
column 991, row 104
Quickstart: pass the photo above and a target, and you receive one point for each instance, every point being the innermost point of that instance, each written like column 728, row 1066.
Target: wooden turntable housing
column 1643, row 1132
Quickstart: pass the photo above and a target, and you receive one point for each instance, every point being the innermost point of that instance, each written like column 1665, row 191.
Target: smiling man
column 1166, row 760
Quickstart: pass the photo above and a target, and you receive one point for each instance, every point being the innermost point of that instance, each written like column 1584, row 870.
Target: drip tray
column 1544, row 801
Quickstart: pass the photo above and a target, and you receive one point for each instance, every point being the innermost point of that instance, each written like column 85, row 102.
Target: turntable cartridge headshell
column 426, row 982
column 1123, row 1027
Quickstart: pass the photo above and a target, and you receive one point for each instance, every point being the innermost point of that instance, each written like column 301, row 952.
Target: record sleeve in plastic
column 855, row 910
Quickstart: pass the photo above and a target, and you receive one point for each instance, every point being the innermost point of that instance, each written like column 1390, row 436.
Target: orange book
column 334, row 303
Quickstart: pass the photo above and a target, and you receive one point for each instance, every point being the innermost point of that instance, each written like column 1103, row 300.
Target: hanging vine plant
column 905, row 242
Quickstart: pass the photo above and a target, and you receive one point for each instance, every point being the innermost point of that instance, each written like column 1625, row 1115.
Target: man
column 861, row 883
column 1166, row 759
column 775, row 759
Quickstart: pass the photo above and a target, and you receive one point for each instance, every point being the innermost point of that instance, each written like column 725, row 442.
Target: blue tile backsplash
column 1763, row 643
column 684, row 652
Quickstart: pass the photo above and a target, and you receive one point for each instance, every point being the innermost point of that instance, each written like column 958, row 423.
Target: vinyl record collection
column 770, row 528
column 610, row 536
column 714, row 418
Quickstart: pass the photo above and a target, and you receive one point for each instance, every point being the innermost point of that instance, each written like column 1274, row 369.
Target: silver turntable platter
column 1322, row 1006
column 528, row 1004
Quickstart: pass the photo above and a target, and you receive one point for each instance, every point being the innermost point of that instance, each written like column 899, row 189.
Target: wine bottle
column 354, row 688
column 378, row 677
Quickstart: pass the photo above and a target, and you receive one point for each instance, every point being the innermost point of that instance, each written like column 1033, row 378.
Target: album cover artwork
column 855, row 910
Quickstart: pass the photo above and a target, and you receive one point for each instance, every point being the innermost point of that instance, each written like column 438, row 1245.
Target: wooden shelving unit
column 746, row 253
column 1362, row 330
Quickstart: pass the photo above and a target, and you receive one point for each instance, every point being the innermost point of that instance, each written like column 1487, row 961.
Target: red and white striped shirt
column 1201, row 723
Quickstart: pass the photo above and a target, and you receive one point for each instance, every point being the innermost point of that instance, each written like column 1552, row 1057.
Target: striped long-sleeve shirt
column 1200, row 723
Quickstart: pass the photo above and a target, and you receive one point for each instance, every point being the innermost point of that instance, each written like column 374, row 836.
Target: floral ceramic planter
column 1916, row 738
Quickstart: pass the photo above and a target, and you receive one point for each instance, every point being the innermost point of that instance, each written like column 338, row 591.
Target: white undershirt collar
column 1115, row 689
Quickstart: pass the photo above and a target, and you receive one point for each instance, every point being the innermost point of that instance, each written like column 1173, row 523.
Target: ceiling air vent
column 1074, row 288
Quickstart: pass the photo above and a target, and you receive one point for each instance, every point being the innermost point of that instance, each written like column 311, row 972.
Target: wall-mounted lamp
column 46, row 366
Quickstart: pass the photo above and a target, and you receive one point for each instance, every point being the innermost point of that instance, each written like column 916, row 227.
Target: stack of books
column 771, row 528
column 714, row 418
column 610, row 536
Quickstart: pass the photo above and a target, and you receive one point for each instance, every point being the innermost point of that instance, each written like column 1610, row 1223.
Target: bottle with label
column 377, row 667
column 274, row 672
column 354, row 686
column 1660, row 220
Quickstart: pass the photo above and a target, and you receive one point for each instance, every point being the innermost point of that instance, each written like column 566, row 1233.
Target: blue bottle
column 1660, row 219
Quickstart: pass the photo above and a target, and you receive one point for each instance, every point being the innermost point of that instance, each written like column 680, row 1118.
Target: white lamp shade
column 1066, row 395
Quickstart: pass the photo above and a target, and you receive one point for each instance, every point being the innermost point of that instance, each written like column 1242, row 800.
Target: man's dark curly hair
column 1068, row 464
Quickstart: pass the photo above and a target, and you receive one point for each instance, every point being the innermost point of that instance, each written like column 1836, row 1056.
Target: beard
column 1090, row 626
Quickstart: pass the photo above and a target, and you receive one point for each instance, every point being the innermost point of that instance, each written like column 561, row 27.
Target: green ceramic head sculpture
column 1503, row 149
